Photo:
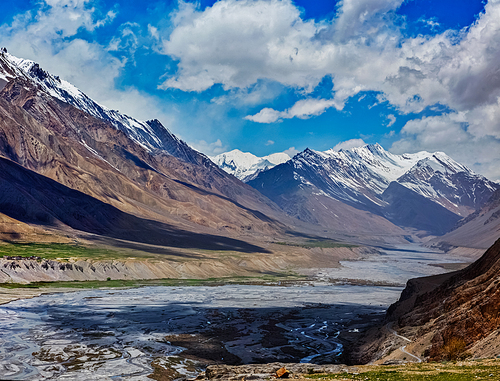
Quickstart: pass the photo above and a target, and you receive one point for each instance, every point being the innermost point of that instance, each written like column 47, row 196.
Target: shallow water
column 393, row 266
column 118, row 334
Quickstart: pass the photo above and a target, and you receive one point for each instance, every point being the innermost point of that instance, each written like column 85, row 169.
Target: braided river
column 128, row 334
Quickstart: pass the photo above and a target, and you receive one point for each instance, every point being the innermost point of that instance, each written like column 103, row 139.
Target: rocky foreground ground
column 452, row 371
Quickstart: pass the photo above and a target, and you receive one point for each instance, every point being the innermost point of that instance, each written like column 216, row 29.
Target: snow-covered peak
column 245, row 165
column 436, row 165
column 362, row 175
column 151, row 135
column 375, row 158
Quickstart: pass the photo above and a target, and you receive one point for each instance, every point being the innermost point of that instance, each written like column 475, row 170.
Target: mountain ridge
column 359, row 177
column 53, row 138
column 151, row 134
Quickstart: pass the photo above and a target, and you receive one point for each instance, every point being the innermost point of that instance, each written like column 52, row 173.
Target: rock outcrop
column 457, row 313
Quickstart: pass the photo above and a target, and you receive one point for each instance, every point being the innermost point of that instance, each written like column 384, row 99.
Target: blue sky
column 280, row 75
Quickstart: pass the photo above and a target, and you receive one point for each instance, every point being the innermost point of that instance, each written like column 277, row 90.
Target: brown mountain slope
column 478, row 230
column 456, row 312
column 309, row 203
column 83, row 153
column 29, row 197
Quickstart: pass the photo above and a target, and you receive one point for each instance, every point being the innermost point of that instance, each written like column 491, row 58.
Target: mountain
column 478, row 230
column 448, row 183
column 50, row 128
column 246, row 166
column 424, row 191
column 453, row 315
column 151, row 135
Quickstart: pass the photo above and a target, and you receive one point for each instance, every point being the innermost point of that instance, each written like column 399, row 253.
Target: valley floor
column 165, row 329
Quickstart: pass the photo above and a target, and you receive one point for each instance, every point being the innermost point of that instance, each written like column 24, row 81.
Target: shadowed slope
column 32, row 198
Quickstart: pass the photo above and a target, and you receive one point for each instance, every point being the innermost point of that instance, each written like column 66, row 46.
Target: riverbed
column 128, row 334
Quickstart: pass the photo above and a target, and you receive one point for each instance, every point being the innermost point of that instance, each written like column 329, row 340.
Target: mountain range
column 429, row 192
column 50, row 128
column 71, row 168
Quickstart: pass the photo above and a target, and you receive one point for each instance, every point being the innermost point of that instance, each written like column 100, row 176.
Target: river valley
column 128, row 334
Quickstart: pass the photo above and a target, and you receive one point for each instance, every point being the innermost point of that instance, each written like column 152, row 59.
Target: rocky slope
column 86, row 151
column 151, row 135
column 478, row 230
column 456, row 314
column 423, row 191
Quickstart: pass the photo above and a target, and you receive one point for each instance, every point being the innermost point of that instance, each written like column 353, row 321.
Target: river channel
column 127, row 334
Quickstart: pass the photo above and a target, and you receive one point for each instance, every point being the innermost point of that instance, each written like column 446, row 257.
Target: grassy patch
column 324, row 244
column 56, row 251
column 489, row 370
column 118, row 283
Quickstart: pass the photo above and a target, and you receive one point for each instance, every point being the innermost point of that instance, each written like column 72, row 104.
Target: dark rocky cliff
column 460, row 308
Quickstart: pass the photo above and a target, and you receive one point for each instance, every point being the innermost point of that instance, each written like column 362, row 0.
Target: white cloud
column 291, row 151
column 352, row 143
column 363, row 18
column 236, row 43
column 392, row 120
column 153, row 31
column 431, row 23
column 303, row 109
column 210, row 149
column 266, row 115
column 269, row 143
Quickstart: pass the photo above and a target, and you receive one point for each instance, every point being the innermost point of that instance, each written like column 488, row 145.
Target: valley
column 126, row 254
column 138, row 331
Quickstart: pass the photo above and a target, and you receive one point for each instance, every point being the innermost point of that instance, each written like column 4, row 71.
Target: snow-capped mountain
column 363, row 177
column 246, row 166
column 355, row 175
column 66, row 162
column 448, row 183
column 149, row 134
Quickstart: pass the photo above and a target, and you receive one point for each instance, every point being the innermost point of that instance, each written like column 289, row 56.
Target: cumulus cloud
column 236, row 43
column 266, row 115
column 269, row 142
column 352, row 143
